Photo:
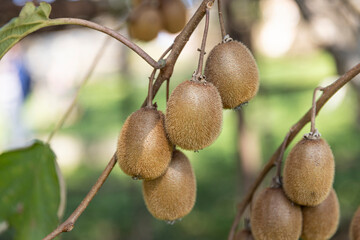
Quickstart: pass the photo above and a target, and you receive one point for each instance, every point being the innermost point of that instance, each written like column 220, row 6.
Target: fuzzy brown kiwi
column 321, row 222
column 309, row 172
column 194, row 115
column 143, row 149
column 172, row 196
column 145, row 22
column 355, row 226
column 244, row 235
column 274, row 217
column 231, row 67
column 173, row 13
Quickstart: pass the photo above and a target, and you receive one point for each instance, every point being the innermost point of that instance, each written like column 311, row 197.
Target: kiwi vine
column 172, row 130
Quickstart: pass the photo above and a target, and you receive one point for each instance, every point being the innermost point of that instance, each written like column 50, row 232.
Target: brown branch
column 328, row 92
column 313, row 112
column 110, row 32
column 221, row 19
column 280, row 159
column 198, row 72
column 68, row 225
column 179, row 43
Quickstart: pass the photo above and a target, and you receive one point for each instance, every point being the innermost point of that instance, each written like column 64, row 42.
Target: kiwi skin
column 273, row 216
column 194, row 115
column 143, row 149
column 321, row 222
column 173, row 13
column 355, row 226
column 232, row 69
column 144, row 23
column 309, row 172
column 172, row 196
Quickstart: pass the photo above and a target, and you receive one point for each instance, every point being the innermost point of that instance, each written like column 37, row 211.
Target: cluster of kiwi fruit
column 149, row 17
column 303, row 204
column 147, row 142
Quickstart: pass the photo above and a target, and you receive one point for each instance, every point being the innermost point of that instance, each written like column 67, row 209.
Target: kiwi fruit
column 172, row 196
column 231, row 67
column 173, row 13
column 143, row 149
column 309, row 172
column 355, row 226
column 244, row 235
column 274, row 217
column 145, row 22
column 321, row 222
column 194, row 115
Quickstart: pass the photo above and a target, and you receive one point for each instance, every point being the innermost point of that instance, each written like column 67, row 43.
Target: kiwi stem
column 82, row 84
column 221, row 19
column 280, row 159
column 167, row 89
column 150, row 96
column 198, row 72
column 313, row 114
column 150, row 88
column 69, row 223
column 328, row 92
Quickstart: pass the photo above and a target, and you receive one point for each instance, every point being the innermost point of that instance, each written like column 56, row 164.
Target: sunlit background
column 298, row 45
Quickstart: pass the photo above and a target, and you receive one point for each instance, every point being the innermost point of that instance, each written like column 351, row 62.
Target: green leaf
column 29, row 191
column 30, row 19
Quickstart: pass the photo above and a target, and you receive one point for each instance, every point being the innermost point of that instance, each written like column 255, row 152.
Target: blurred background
column 298, row 45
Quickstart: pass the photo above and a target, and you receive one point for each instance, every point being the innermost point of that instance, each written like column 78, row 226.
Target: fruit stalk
column 313, row 114
column 280, row 159
column 221, row 19
column 198, row 72
column 328, row 92
column 149, row 98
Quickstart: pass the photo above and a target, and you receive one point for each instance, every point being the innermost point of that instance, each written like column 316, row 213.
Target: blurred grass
column 118, row 211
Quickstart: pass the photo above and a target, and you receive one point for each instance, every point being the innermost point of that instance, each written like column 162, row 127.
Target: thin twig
column 313, row 115
column 328, row 92
column 167, row 89
column 108, row 31
column 198, row 72
column 82, row 84
column 281, row 156
column 221, row 20
column 149, row 97
column 68, row 225
column 151, row 79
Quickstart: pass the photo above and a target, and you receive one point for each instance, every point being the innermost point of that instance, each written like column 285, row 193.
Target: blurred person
column 15, row 82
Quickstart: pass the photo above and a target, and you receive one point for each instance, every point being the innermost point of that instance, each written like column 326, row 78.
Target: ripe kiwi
column 172, row 196
column 355, row 226
column 232, row 69
column 309, row 172
column 273, row 216
column 143, row 149
column 144, row 22
column 320, row 222
column 244, row 235
column 194, row 115
column 173, row 13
